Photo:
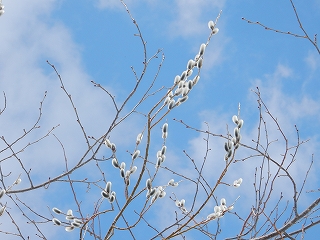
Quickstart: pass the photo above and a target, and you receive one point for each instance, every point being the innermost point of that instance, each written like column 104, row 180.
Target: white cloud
column 111, row 4
column 312, row 60
column 29, row 36
column 188, row 20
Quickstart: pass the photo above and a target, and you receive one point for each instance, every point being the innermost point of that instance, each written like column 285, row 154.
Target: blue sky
column 94, row 40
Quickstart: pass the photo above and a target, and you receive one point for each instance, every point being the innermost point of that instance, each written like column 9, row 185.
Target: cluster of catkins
column 184, row 85
column 220, row 210
column 161, row 153
column 73, row 222
column 235, row 141
column 123, row 173
column 158, row 192
column 3, row 192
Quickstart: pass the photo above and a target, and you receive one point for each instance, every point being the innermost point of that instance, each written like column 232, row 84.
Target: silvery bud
column 122, row 172
column 171, row 104
column 56, row 210
column 149, row 184
column 139, row 138
column 2, row 192
column 115, row 163
column 211, row 25
column 240, row 123
column 135, row 154
column 195, row 80
column 165, row 127
column 69, row 228
column 202, row 48
column 113, row 147
column 177, row 79
column 235, row 119
column 133, row 169
column 75, row 224
column 163, row 150
column 215, row 31
column 123, row 165
column 167, row 100
column 108, row 187
column 56, row 221
column 200, row 63
column 183, row 75
column 107, row 143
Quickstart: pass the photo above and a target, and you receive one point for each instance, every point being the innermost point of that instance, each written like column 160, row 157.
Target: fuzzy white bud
column 139, row 138
column 69, row 228
column 135, row 154
column 202, row 49
column 56, row 221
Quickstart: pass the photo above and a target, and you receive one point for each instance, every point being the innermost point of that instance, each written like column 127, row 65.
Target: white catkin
column 200, row 63
column 2, row 192
column 196, row 58
column 235, row 119
column 189, row 73
column 139, row 138
column 165, row 128
column 133, row 169
column 112, row 198
column 105, row 194
column 77, row 221
column 123, row 165
column 163, row 158
column 240, row 123
column 18, row 181
column 164, row 135
column 135, row 154
column 195, row 80
column 167, row 100
column 177, row 79
column 108, row 187
column 69, row 212
column 190, row 64
column 56, row 210
column 107, row 143
column 171, row 104
column 69, row 228
column 75, row 224
column 183, row 99
column 122, row 173
column 2, row 209
column 149, row 184
column 183, row 75
column 171, row 181
column 230, row 208
column 185, row 91
column 215, row 31
column 236, row 132
column 202, row 48
column 56, row 221
column 163, row 150
column 113, row 147
column 69, row 217
column 177, row 92
column 226, row 147
column 159, row 160
column 115, row 163
column 211, row 25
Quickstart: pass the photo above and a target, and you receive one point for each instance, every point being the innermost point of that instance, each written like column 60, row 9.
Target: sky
column 95, row 41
